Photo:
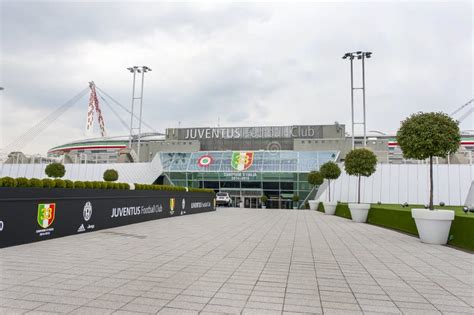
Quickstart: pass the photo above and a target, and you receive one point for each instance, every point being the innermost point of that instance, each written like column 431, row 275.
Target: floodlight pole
column 359, row 55
column 132, row 70
column 352, row 104
column 135, row 70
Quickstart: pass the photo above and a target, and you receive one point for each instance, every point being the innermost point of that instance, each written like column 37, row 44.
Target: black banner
column 35, row 214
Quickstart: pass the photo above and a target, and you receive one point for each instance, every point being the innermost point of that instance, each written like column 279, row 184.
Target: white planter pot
column 330, row 207
column 295, row 208
column 433, row 225
column 264, row 207
column 313, row 204
column 359, row 211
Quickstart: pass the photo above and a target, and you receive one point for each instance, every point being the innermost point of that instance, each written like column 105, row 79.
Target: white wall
column 399, row 183
column 143, row 173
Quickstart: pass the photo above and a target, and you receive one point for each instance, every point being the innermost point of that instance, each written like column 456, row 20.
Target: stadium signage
column 35, row 214
column 276, row 132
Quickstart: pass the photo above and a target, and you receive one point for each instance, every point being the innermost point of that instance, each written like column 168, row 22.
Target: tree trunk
column 329, row 184
column 431, row 184
column 358, row 191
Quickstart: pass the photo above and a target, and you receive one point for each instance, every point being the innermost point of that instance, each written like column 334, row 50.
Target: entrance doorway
column 250, row 202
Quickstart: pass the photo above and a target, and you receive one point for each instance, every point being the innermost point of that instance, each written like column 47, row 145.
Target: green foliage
column 69, row 183
column 8, row 182
column 88, row 185
column 296, row 198
column 110, row 175
column 56, row 170
column 59, row 183
column 97, row 185
column 48, row 183
column 126, row 186
column 169, row 188
column 315, row 178
column 110, row 185
column 264, row 199
column 424, row 135
column 36, row 183
column 22, row 182
column 79, row 184
column 360, row 162
column 330, row 170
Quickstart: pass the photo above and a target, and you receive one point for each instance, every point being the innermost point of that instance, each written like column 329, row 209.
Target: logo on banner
column 46, row 212
column 172, row 205
column 81, row 228
column 205, row 160
column 87, row 213
column 241, row 161
column 183, row 204
column 214, row 203
column 1, row 226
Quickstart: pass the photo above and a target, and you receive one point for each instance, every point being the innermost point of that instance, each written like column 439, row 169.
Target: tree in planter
column 315, row 178
column 111, row 175
column 264, row 200
column 55, row 170
column 360, row 162
column 330, row 171
column 296, row 198
column 426, row 135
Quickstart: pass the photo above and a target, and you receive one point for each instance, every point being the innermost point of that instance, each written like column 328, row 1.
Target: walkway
column 237, row 261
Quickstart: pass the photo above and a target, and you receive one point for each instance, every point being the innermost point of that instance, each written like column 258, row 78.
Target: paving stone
column 237, row 260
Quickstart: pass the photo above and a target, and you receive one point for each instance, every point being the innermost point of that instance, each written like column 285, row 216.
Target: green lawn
column 458, row 209
column 396, row 217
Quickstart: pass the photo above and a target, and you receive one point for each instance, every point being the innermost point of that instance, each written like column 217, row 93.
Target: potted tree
column 330, row 171
column 296, row 198
column 423, row 136
column 110, row 175
column 360, row 162
column 55, row 170
column 316, row 179
column 264, row 200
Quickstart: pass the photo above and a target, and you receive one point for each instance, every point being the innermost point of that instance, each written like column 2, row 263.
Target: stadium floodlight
column 361, row 55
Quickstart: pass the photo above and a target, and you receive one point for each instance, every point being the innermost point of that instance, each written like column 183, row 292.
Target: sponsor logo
column 241, row 161
column 205, row 160
column 183, row 204
column 87, row 213
column 1, row 226
column 46, row 213
column 81, row 228
column 215, row 203
column 172, row 204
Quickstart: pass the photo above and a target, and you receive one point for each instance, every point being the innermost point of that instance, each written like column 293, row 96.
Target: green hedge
column 398, row 218
column 170, row 188
column 59, row 183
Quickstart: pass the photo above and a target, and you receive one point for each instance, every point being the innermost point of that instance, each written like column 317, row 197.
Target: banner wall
column 30, row 215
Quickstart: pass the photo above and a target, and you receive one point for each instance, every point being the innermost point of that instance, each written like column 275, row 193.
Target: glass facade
column 247, row 175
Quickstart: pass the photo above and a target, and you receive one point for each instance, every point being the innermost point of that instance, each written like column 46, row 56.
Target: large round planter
column 330, row 207
column 313, row 204
column 433, row 225
column 359, row 211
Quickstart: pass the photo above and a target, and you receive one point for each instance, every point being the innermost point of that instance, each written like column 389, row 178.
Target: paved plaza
column 237, row 261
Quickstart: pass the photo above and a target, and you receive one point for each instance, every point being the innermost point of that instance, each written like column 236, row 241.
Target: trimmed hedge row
column 461, row 233
column 58, row 183
column 170, row 188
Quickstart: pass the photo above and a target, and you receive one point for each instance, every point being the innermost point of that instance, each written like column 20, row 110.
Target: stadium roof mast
column 135, row 70
column 361, row 55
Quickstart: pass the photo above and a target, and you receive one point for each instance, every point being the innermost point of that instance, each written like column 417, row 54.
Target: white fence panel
column 399, row 183
column 145, row 173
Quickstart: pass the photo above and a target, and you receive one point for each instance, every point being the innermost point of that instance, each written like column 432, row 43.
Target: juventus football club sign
column 34, row 214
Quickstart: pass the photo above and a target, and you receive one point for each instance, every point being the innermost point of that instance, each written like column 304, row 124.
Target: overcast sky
column 250, row 64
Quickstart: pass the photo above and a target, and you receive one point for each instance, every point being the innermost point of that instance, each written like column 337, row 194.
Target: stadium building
column 246, row 162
